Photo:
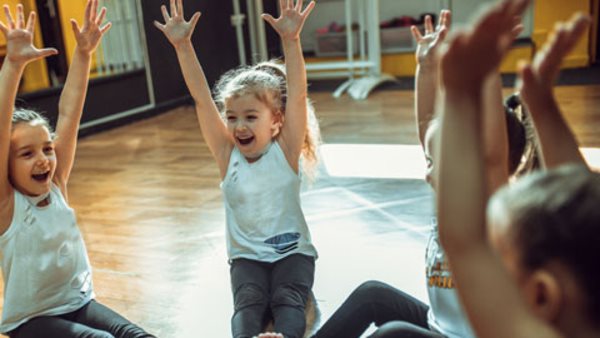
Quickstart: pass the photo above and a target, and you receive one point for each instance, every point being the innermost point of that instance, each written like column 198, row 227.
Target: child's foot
column 270, row 335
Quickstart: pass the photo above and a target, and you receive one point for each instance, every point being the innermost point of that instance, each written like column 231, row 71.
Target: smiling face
column 32, row 160
column 251, row 123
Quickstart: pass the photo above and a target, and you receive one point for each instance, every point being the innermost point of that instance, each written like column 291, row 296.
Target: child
column 544, row 227
column 257, row 149
column 395, row 312
column 47, row 275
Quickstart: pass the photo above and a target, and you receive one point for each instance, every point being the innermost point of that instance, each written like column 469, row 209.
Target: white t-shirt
column 44, row 262
column 445, row 315
column 262, row 206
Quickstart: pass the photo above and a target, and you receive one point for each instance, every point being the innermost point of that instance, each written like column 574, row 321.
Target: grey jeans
column 94, row 320
column 264, row 291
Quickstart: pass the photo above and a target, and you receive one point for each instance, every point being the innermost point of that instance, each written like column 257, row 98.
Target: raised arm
column 426, row 74
column 19, row 52
column 179, row 33
column 288, row 26
column 557, row 142
column 491, row 298
column 72, row 98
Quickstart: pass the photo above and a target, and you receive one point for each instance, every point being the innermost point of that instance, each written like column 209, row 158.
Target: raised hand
column 473, row 54
column 428, row 43
column 289, row 24
column 88, row 37
column 19, row 38
column 537, row 79
column 175, row 28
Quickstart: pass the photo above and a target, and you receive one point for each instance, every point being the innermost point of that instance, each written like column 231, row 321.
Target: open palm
column 428, row 43
column 88, row 37
column 175, row 28
column 19, row 37
column 289, row 24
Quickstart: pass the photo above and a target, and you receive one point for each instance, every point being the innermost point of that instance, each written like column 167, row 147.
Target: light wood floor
column 149, row 205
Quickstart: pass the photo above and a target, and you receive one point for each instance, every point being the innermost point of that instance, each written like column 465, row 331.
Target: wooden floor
column 149, row 205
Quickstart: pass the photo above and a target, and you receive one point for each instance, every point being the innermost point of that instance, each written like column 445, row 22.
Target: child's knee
column 290, row 295
column 248, row 295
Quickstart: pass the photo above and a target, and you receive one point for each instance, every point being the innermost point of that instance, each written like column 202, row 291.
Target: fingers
column 160, row 26
column 173, row 9
column 101, row 16
column 270, row 19
column 9, row 19
column 428, row 25
column 30, row 22
column 106, row 27
column 308, row 9
column 4, row 29
column 194, row 19
column 416, row 33
column 282, row 5
column 88, row 11
column 165, row 14
column 45, row 52
column 20, row 17
column 446, row 18
column 75, row 27
column 94, row 10
column 180, row 8
column 298, row 5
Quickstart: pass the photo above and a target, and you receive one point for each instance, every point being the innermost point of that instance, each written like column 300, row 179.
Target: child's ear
column 277, row 123
column 544, row 295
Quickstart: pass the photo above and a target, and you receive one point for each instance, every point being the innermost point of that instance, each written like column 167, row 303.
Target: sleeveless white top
column 262, row 206
column 44, row 262
column 445, row 315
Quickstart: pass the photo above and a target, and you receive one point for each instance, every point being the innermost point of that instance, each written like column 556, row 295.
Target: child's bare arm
column 72, row 98
column 426, row 74
column 489, row 295
column 557, row 142
column 179, row 33
column 288, row 26
column 19, row 52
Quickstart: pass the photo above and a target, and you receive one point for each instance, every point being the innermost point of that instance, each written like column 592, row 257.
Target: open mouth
column 245, row 141
column 41, row 177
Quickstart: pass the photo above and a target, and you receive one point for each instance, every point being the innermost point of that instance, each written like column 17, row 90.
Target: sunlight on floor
column 392, row 160
column 374, row 160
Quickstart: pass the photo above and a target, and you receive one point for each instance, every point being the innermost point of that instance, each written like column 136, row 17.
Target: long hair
column 267, row 82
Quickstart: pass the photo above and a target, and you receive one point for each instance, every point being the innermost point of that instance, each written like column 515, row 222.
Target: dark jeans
column 280, row 288
column 396, row 313
column 94, row 320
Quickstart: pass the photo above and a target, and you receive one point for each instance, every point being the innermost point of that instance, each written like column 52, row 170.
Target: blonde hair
column 267, row 82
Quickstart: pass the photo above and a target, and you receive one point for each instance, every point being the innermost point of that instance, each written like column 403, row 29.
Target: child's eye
column 251, row 117
column 48, row 150
column 230, row 118
column 27, row 154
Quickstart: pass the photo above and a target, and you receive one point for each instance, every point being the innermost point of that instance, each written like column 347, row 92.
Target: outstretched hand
column 19, row 38
column 433, row 38
column 289, row 24
column 175, row 28
column 537, row 79
column 88, row 37
column 473, row 54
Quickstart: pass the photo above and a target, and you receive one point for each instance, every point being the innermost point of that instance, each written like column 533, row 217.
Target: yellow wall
column 68, row 9
column 36, row 73
column 547, row 13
